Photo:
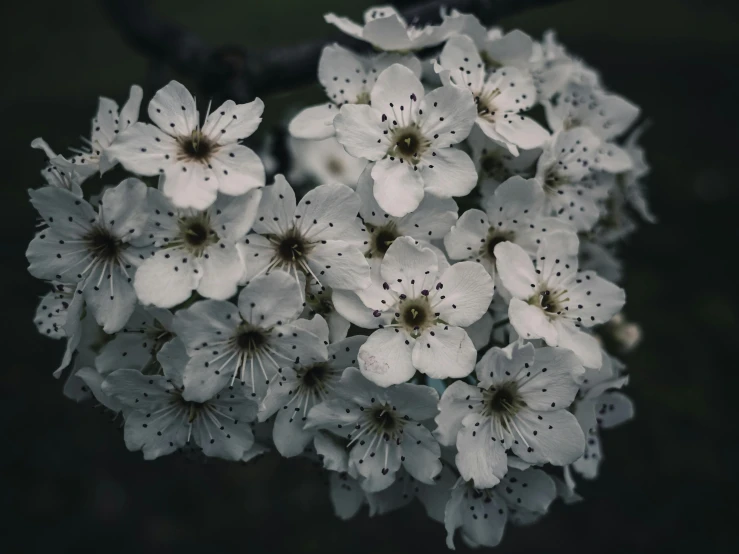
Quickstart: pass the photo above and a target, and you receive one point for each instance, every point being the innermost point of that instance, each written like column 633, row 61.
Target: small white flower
column 323, row 161
column 347, row 78
column 424, row 309
column 195, row 163
column 316, row 238
column 138, row 343
column 568, row 170
column 193, row 249
column 162, row 419
column 106, row 126
column 60, row 172
column 410, row 135
column 600, row 407
column 481, row 514
column 552, row 300
column 384, row 428
column 519, row 404
column 98, row 250
column 513, row 213
column 501, row 94
column 385, row 29
column 495, row 163
column 607, row 115
column 301, row 386
column 405, row 488
column 249, row 342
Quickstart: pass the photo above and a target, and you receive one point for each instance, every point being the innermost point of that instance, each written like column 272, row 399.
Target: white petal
column 189, row 185
column 234, row 216
column 444, row 351
column 504, row 364
column 206, row 321
column 157, row 281
column 347, row 497
column 532, row 490
column 387, row 33
column 516, row 270
column 613, row 409
column 256, row 252
column 581, row 343
column 530, row 322
column 458, row 400
column 221, row 269
column 277, row 208
column 418, row 402
column 431, row 220
column 339, row 265
column 237, row 169
column 481, row 457
column 553, row 437
column 450, row 172
column 398, row 188
column 271, row 299
column 593, row 300
column 113, row 301
column 466, row 292
column 341, row 73
column 421, row 453
column 449, row 113
column 232, row 122
column 314, row 122
column 462, row 59
column 385, row 359
column 467, row 237
column 327, row 212
column 522, row 131
column 173, row 110
column 359, row 129
column 288, row 434
column 550, row 379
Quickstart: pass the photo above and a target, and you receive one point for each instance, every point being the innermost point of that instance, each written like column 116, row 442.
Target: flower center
column 196, row 147
column 486, row 107
column 415, row 315
column 382, row 238
column 493, row 239
column 502, row 399
column 553, row 303
column 408, row 144
column 492, row 166
column 363, row 98
column 196, row 232
column 315, row 376
column 553, row 181
column 250, row 339
column 103, row 244
column 291, row 247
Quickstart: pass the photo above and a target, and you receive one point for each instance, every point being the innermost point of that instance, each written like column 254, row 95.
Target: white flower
column 301, row 386
column 607, row 115
column 551, row 300
column 138, row 343
column 194, row 250
column 500, row 94
column 519, row 404
column 315, row 238
column 347, row 78
column 405, row 488
column 323, row 161
column 194, row 163
column 106, row 126
column 410, row 134
column 495, row 163
column 385, row 29
column 96, row 250
column 497, row 49
column 600, row 407
column 513, row 213
column 60, row 172
column 424, row 310
column 481, row 514
column 384, row 428
column 249, row 342
column 568, row 170
column 162, row 419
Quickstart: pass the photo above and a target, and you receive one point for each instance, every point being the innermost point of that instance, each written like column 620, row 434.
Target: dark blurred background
column 669, row 479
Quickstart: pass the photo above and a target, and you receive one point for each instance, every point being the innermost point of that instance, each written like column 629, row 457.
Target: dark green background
column 669, row 481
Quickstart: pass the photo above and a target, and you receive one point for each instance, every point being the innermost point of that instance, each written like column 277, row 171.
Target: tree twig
column 235, row 72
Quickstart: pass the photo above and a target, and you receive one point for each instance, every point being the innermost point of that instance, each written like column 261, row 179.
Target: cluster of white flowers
column 410, row 349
